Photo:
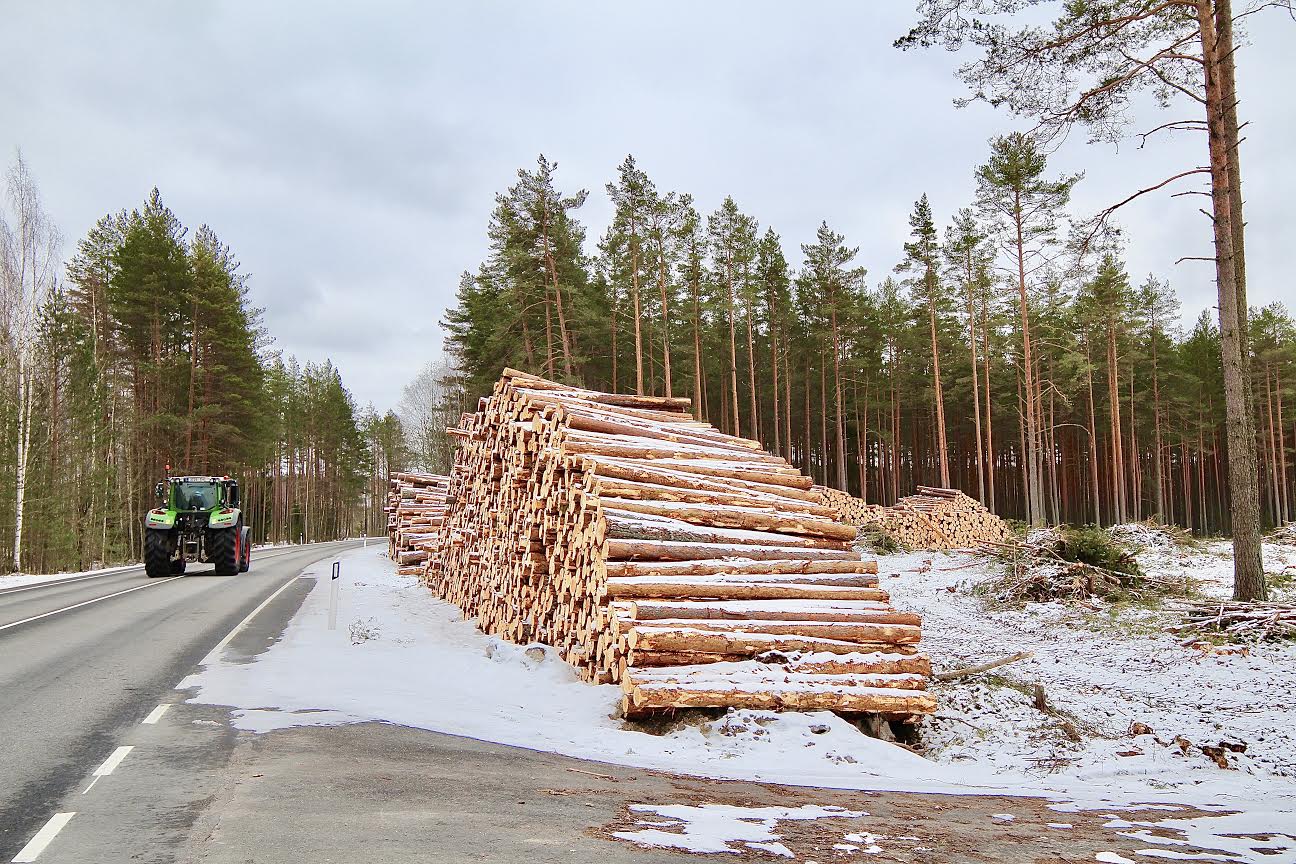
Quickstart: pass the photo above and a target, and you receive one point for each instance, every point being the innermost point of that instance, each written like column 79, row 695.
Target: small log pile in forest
column 416, row 506
column 934, row 518
column 1243, row 620
column 651, row 550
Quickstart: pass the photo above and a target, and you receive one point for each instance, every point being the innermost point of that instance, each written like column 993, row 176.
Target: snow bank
column 424, row 667
column 429, row 669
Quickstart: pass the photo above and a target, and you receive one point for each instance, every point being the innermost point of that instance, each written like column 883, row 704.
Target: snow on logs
column 416, row 505
column 652, row 550
column 935, row 518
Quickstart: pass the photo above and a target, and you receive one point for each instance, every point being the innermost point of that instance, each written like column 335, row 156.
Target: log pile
column 416, row 505
column 934, row 518
column 651, row 550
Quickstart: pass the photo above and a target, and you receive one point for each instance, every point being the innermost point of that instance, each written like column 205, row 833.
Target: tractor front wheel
column 222, row 550
column 157, row 553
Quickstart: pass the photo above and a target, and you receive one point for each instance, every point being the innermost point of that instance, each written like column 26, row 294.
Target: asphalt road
column 83, row 660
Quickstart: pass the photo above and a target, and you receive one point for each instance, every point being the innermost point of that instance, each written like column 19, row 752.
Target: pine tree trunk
column 943, row 449
column 840, row 417
column 1158, row 489
column 989, row 420
column 823, row 419
column 736, row 427
column 1274, row 484
column 1095, row 485
column 564, row 334
column 638, row 315
column 976, row 392
column 1248, row 569
column 1030, row 433
column 751, row 378
column 699, row 382
column 666, row 348
column 1117, row 453
column 787, row 402
column 1282, row 455
column 774, row 370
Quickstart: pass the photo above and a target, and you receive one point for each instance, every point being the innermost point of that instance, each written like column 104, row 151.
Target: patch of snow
column 711, row 828
column 1112, row 858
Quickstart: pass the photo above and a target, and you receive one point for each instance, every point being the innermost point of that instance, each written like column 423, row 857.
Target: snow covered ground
column 401, row 656
column 1132, row 706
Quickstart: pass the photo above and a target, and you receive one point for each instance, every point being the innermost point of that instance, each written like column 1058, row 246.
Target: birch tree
column 28, row 269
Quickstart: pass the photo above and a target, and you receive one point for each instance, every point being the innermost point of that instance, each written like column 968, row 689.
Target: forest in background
column 866, row 377
column 1183, row 434
column 144, row 351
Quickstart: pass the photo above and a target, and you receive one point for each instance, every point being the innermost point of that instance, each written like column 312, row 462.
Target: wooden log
column 846, row 631
column 664, row 550
column 728, row 516
column 649, row 588
column 757, row 569
column 695, row 641
column 768, row 697
column 865, row 611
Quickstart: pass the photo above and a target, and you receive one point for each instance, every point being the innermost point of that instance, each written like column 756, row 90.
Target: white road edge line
column 37, row 844
column 113, row 761
column 156, row 714
column 88, row 602
column 229, row 637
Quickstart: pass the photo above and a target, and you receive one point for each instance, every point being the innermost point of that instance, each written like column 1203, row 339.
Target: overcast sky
column 349, row 153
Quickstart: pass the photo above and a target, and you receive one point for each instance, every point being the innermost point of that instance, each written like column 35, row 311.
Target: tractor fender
column 163, row 519
column 226, row 517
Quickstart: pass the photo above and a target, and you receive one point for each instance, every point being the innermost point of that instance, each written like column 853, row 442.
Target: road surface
column 85, row 658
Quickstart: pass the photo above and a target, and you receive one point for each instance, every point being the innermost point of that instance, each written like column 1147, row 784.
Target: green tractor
column 198, row 520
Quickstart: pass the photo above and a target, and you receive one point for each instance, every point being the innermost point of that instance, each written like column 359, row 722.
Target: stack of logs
column 935, row 518
column 416, row 506
column 654, row 551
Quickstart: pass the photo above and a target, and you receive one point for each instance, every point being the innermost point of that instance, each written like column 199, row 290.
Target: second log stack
column 653, row 551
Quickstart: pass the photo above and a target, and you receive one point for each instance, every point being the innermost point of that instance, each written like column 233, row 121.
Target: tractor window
column 196, row 496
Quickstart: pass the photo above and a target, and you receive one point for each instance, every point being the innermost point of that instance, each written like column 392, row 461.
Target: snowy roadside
column 399, row 655
column 20, row 580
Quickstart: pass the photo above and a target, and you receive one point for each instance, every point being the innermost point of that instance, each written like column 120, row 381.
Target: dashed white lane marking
column 229, row 637
column 156, row 714
column 37, row 844
column 88, row 602
column 113, row 761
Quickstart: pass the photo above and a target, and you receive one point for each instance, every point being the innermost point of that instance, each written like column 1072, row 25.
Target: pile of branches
column 1241, row 620
column 1069, row 564
column 1284, row 534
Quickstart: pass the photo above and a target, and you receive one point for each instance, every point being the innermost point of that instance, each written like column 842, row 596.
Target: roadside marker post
column 333, row 594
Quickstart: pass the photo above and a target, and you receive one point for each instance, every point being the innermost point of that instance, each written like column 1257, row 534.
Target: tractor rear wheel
column 245, row 549
column 221, row 544
column 157, row 552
